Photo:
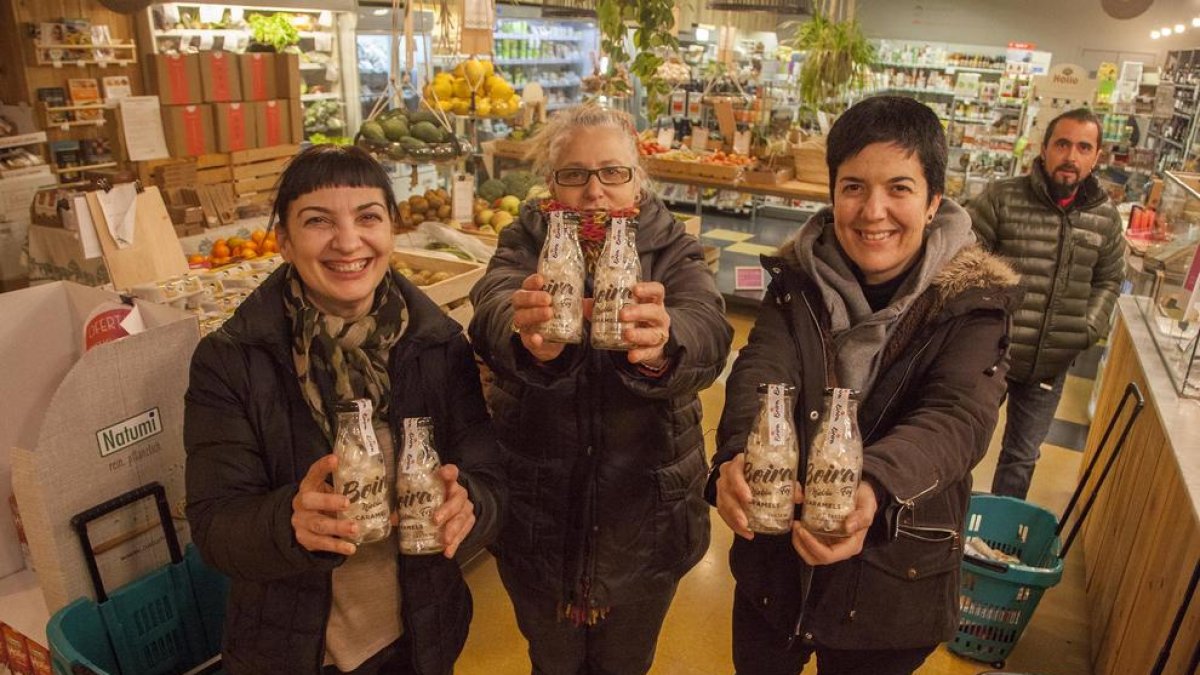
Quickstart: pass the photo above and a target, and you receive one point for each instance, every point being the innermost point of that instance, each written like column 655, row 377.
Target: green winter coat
column 1071, row 261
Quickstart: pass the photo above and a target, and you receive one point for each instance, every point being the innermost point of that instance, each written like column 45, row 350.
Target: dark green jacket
column 1071, row 262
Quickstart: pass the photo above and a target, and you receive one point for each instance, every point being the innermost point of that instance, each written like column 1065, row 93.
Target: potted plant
column 838, row 58
column 653, row 20
column 272, row 32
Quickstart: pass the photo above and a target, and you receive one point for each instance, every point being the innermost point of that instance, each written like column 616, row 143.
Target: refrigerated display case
column 555, row 53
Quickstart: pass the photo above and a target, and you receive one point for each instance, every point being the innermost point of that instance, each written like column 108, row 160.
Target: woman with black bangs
column 333, row 324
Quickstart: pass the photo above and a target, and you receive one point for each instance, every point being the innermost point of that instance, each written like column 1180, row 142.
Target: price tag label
column 666, row 137
column 462, row 196
column 323, row 42
column 741, row 142
column 699, row 139
column 206, row 42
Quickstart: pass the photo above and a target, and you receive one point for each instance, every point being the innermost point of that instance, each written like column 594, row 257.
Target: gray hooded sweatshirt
column 859, row 334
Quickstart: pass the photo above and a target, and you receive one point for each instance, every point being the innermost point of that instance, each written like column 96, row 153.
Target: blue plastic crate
column 168, row 621
column 996, row 600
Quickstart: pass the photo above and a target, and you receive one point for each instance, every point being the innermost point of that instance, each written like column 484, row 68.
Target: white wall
column 1075, row 31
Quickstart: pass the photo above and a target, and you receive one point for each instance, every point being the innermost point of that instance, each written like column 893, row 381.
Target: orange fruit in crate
column 269, row 246
column 196, row 259
column 221, row 250
column 258, row 236
column 236, row 242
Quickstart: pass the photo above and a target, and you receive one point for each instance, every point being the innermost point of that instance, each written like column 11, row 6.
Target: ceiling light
column 1154, row 35
column 1178, row 28
column 1196, row 22
column 1166, row 30
column 379, row 12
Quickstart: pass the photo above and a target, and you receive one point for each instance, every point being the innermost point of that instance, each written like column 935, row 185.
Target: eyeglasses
column 608, row 175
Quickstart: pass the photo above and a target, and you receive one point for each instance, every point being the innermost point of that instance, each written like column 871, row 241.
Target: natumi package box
column 287, row 74
column 274, row 121
column 258, row 76
column 236, row 128
column 81, row 427
column 220, row 76
column 189, row 130
column 177, row 79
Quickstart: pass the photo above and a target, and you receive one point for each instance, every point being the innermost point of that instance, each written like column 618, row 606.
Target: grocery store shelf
column 943, row 66
column 973, row 120
column 312, row 66
column 559, row 106
column 548, row 38
column 917, row 90
column 85, row 167
column 551, row 85
column 22, row 140
column 1167, row 140
column 537, row 62
column 320, row 97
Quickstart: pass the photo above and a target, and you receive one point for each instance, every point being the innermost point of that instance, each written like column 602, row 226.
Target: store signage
column 749, row 278
column 127, row 432
column 1066, row 76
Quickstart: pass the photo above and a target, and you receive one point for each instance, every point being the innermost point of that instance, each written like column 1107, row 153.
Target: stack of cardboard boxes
column 223, row 102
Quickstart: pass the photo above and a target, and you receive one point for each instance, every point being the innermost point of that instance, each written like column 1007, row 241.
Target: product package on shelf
column 220, row 76
column 258, row 76
column 85, row 91
column 278, row 122
column 235, row 126
column 86, row 425
column 287, row 76
column 177, row 79
column 55, row 97
column 189, row 129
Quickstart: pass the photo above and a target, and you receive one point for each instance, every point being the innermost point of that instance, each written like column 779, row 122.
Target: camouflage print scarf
column 339, row 360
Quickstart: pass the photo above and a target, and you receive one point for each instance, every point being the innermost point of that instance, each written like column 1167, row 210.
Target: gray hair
column 561, row 127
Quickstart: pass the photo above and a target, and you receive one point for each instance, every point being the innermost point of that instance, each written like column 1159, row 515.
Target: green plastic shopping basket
column 168, row 621
column 997, row 600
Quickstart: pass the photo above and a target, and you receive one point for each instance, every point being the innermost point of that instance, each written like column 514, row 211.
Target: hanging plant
column 653, row 22
column 838, row 58
column 274, row 30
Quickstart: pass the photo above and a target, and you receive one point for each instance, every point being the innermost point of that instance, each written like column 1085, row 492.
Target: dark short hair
column 905, row 122
column 1079, row 115
column 326, row 166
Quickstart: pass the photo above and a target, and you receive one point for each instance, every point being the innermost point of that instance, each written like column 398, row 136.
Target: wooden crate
column 463, row 274
column 768, row 176
column 213, row 169
column 511, row 149
column 257, row 171
column 673, row 168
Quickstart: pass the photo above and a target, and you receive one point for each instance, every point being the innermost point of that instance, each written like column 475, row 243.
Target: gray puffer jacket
column 1071, row 261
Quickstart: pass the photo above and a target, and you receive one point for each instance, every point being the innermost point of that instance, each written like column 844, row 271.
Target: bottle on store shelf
column 772, row 458
column 561, row 266
column 361, row 473
column 617, row 270
column 419, row 491
column 834, row 466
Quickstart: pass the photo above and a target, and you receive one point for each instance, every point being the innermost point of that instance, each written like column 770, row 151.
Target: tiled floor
column 695, row 638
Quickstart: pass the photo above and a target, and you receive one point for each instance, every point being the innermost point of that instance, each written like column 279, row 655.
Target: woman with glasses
column 605, row 452
column 884, row 292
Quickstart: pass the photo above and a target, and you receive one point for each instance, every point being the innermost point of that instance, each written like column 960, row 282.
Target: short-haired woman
column 333, row 324
column 886, row 293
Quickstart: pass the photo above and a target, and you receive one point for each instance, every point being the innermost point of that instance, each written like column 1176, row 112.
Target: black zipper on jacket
column 900, row 386
column 1064, row 228
column 806, row 585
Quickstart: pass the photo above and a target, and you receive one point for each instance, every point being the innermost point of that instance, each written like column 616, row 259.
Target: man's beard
column 1063, row 185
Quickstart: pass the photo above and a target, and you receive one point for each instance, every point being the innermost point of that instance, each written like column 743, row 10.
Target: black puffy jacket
column 925, row 423
column 603, row 459
column 1071, row 263
column 250, row 439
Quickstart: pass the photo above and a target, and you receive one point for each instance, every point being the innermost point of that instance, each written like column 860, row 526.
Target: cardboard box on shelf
column 220, row 76
column 189, row 130
column 235, row 123
column 177, row 79
column 273, row 120
column 296, row 112
column 258, row 76
column 287, row 76
column 86, row 426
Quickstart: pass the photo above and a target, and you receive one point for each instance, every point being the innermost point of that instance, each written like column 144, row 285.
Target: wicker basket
column 810, row 162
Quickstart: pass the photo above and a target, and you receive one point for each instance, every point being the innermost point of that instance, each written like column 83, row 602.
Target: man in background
column 1058, row 229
